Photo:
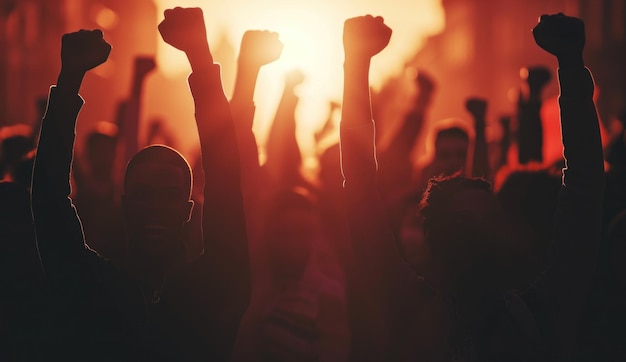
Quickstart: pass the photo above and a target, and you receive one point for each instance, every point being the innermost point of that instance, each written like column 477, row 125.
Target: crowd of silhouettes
column 480, row 252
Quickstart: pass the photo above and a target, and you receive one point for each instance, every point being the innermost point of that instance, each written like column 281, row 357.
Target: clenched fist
column 259, row 47
column 84, row 50
column 184, row 29
column 560, row 35
column 144, row 65
column 537, row 78
column 365, row 36
column 477, row 107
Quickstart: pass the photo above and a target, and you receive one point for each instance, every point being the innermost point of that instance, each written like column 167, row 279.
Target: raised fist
column 477, row 107
column 537, row 77
column 183, row 28
column 425, row 83
column 365, row 36
column 144, row 65
column 84, row 50
column 259, row 47
column 560, row 35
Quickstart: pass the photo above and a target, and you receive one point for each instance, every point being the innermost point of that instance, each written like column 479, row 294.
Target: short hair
column 439, row 195
column 436, row 207
column 452, row 132
column 164, row 155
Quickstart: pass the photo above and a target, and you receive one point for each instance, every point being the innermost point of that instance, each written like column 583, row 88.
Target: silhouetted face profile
column 451, row 150
column 157, row 203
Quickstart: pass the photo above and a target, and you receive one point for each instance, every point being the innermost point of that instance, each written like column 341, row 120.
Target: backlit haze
column 311, row 31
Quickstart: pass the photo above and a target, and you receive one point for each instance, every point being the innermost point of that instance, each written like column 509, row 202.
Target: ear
column 189, row 210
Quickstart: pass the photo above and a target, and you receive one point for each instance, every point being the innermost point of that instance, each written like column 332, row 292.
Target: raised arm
column 477, row 107
column 129, row 124
column 396, row 167
column 225, row 264
column 59, row 232
column 258, row 48
column 578, row 218
column 283, row 154
column 530, row 130
column 373, row 246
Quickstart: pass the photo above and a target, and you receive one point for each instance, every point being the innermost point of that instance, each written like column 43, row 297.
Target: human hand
column 425, row 83
column 537, row 78
column 477, row 107
column 365, row 36
column 144, row 65
column 259, row 47
column 184, row 29
column 560, row 35
column 83, row 50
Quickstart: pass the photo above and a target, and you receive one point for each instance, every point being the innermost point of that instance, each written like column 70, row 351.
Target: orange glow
column 311, row 31
column 104, row 17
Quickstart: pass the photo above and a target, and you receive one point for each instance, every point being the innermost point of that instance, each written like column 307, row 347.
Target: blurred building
column 30, row 43
column 485, row 43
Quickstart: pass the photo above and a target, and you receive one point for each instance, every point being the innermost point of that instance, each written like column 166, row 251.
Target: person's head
column 100, row 149
column 157, row 204
column 467, row 232
column 451, row 148
column 291, row 228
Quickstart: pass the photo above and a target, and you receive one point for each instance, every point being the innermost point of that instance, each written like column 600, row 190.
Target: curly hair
column 437, row 199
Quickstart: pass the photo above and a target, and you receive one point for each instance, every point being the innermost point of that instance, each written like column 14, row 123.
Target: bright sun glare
column 311, row 31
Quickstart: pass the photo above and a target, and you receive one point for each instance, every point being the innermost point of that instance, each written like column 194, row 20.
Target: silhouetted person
column 451, row 149
column 300, row 315
column 395, row 161
column 291, row 312
column 258, row 48
column 461, row 309
column 505, row 141
column 157, row 306
column 477, row 107
column 96, row 195
column 530, row 198
column 615, row 197
column 284, row 159
column 530, row 129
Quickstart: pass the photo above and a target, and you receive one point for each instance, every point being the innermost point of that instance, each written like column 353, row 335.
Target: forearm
column 245, row 82
column 130, row 119
column 375, row 259
column 580, row 128
column 530, row 133
column 59, row 233
column 224, row 229
column 243, row 109
column 579, row 209
column 358, row 158
column 480, row 162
